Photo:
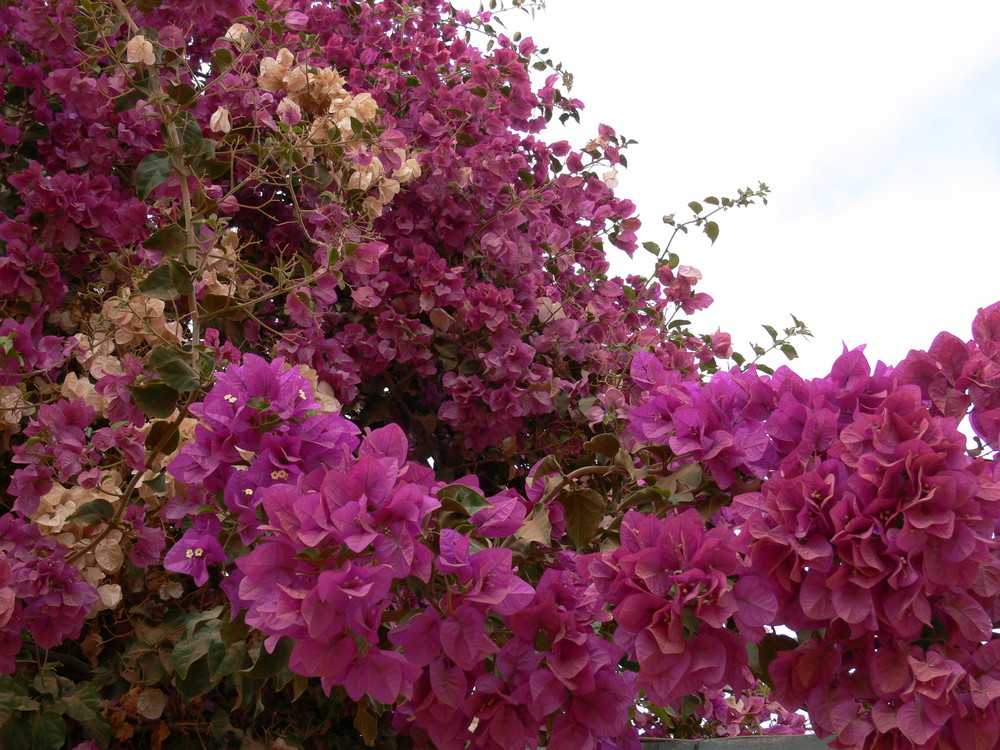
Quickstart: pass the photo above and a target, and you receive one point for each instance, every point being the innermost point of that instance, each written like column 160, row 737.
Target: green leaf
column 712, row 230
column 789, row 351
column 771, row 332
column 695, row 206
column 169, row 239
column 584, row 511
column 713, row 200
column 269, row 664
column 48, row 731
column 190, row 650
column 644, row 496
column 224, row 660
column 159, row 284
column 92, row 513
column 173, row 367
column 652, row 247
column 158, row 483
column 157, row 400
column 82, row 704
column 197, row 620
column 222, row 58
column 46, row 682
column 463, row 499
column 152, row 171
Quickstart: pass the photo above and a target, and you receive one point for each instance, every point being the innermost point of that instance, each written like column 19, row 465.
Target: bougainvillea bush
column 326, row 424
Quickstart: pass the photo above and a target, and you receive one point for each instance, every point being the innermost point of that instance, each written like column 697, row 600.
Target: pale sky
column 875, row 124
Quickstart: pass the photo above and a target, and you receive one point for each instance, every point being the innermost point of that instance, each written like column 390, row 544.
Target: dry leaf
column 151, row 703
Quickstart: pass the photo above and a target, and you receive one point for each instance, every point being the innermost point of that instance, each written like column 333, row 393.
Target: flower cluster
column 39, row 591
column 260, row 425
column 674, row 586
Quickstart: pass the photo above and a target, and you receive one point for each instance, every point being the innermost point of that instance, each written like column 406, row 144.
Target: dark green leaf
column 695, row 206
column 771, row 332
column 606, row 445
column 789, row 351
column 9, row 690
column 713, row 200
column 174, row 368
column 182, row 93
column 95, row 512
column 157, row 400
column 712, row 230
column 584, row 511
column 48, row 731
column 190, row 650
column 269, row 664
column 152, row 171
column 197, row 681
column 159, row 284
column 224, row 660
column 158, row 483
column 82, row 704
column 222, row 58
column 168, row 240
column 644, row 496
column 46, row 682
column 163, row 433
column 17, row 733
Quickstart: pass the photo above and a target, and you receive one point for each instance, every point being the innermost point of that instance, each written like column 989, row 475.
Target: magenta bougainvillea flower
column 197, row 548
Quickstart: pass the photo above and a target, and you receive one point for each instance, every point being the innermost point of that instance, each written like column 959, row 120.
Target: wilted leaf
column 109, row 555
column 151, row 703
column 366, row 723
column 536, row 527
column 110, row 593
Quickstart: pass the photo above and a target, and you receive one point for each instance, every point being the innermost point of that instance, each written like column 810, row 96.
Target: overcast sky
column 876, row 125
